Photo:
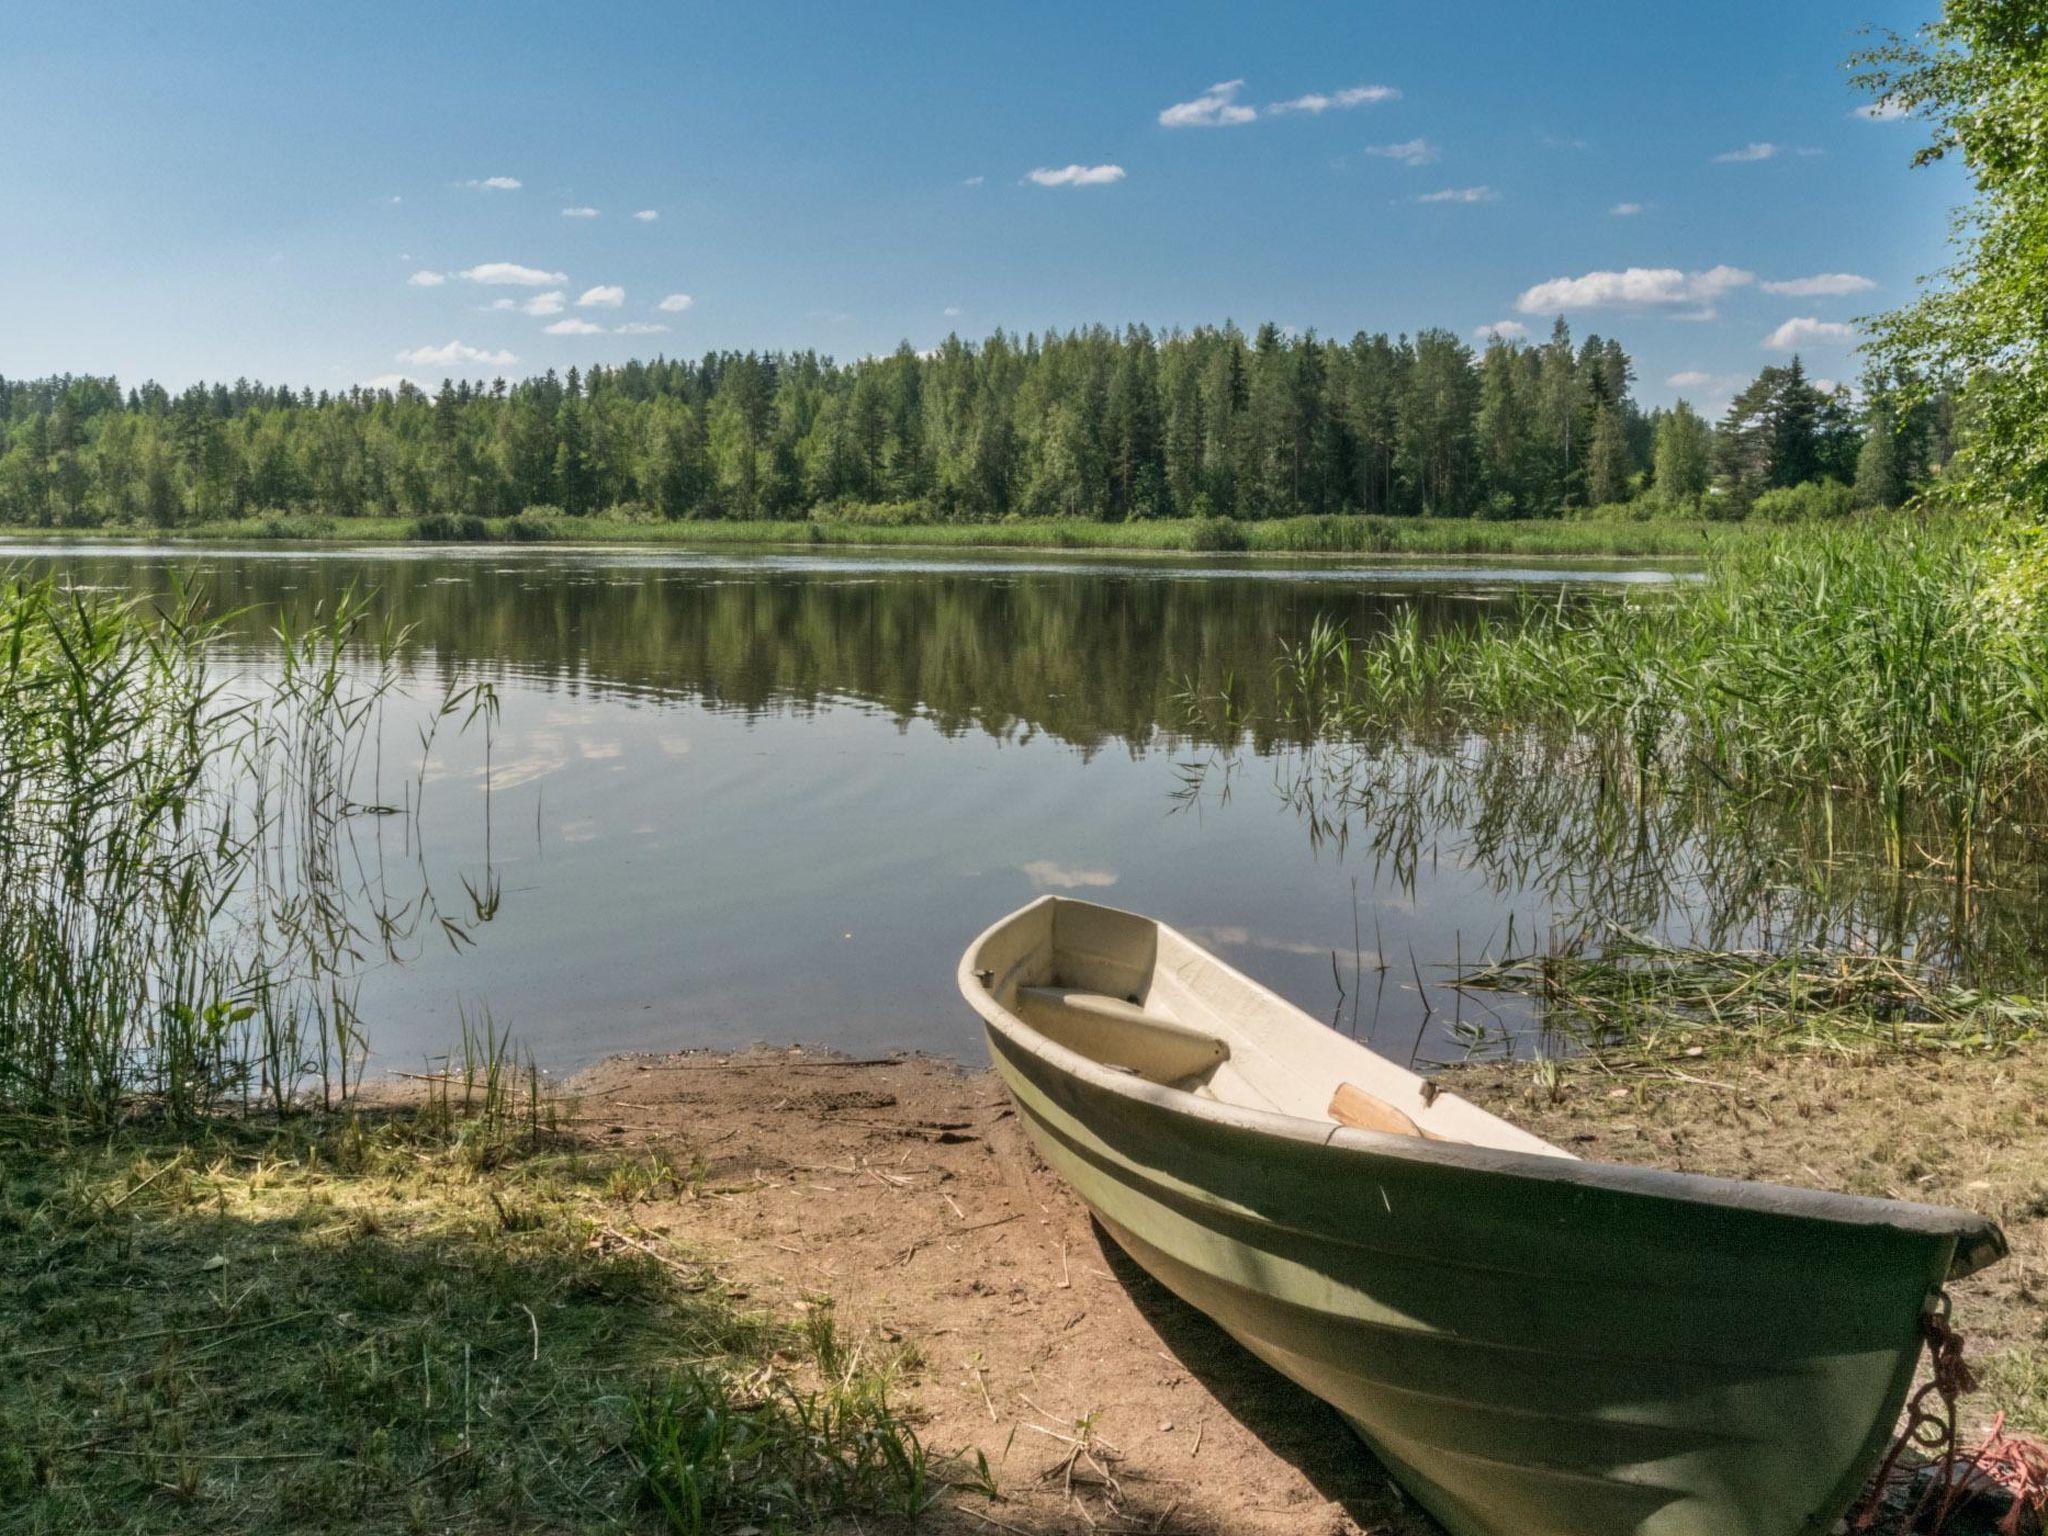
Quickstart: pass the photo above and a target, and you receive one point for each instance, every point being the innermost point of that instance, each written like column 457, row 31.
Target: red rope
column 1930, row 1426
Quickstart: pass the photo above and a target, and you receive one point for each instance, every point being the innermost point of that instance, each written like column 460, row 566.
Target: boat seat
column 1362, row 1111
column 1121, row 1034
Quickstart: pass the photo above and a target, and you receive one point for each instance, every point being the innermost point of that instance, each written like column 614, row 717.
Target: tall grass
column 1537, row 538
column 176, row 919
column 1858, row 664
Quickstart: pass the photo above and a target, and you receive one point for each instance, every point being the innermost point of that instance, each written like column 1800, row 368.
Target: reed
column 1856, row 664
column 181, row 916
column 1641, row 997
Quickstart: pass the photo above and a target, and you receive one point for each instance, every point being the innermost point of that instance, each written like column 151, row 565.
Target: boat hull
column 1530, row 1355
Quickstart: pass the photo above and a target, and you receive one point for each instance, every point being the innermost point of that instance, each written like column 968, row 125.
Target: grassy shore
column 403, row 1319
column 1308, row 536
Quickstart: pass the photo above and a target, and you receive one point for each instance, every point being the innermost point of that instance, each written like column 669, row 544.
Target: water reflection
column 734, row 798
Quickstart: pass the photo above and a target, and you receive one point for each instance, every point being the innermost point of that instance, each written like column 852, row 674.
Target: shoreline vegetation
column 1682, row 539
column 467, row 1308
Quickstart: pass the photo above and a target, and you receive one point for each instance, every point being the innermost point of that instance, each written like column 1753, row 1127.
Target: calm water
column 744, row 797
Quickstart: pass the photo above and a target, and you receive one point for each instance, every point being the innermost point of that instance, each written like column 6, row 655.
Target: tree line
column 1092, row 423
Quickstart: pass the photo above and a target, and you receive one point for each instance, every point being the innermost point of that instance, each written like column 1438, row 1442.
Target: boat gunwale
column 1979, row 1241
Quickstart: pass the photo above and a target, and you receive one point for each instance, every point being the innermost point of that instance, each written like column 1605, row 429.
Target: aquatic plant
column 1851, row 664
column 180, row 917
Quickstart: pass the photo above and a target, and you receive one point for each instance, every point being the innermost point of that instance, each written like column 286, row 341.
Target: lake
column 739, row 797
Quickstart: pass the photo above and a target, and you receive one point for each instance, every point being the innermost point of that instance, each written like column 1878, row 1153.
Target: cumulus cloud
column 1808, row 331
column 574, row 327
column 1634, row 288
column 1882, row 111
column 451, row 353
column 1076, row 176
column 604, row 296
column 1826, row 285
column 647, row 215
column 1316, row 103
column 1689, row 378
column 1626, row 210
column 1217, row 107
column 509, row 274
column 550, row 303
column 640, row 328
column 494, row 183
column 427, row 279
column 1460, row 195
column 1410, row 152
column 579, row 213
column 676, row 303
column 1050, row 874
column 952, row 311
column 1747, row 154
column 1503, row 330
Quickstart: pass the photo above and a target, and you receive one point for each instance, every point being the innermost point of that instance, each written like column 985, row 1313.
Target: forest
column 1092, row 424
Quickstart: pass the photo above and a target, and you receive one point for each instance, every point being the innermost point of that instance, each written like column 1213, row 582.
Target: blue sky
column 303, row 193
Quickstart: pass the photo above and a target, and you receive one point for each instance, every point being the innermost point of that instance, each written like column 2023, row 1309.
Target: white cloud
column 455, row 352
column 676, row 303
column 1412, row 152
column 1316, row 103
column 640, row 328
column 1460, row 195
column 1217, row 107
column 973, row 181
column 952, row 311
column 1048, row 874
column 1821, row 285
column 1635, row 288
column 1626, row 210
column 574, row 327
column 1689, row 378
column 427, row 279
column 495, row 184
column 1746, row 154
column 647, row 215
column 1502, row 330
column 579, row 213
column 1882, row 111
column 1808, row 331
column 509, row 274
column 550, row 303
column 1077, row 176
column 604, row 296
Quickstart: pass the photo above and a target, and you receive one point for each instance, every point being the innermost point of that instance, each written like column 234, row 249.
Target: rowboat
column 1533, row 1344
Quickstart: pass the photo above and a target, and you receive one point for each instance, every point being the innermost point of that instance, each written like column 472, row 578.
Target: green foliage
column 394, row 1319
column 1683, row 460
column 1215, row 535
column 1816, row 501
column 447, row 528
column 532, row 525
column 1978, row 79
column 881, row 514
column 1088, row 425
column 1862, row 663
column 713, row 1456
column 176, row 915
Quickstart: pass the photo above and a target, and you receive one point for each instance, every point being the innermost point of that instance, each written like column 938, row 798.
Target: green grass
column 1543, row 539
column 1862, row 664
column 402, row 1320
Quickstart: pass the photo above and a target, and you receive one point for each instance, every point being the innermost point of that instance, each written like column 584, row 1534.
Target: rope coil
column 1930, row 1427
